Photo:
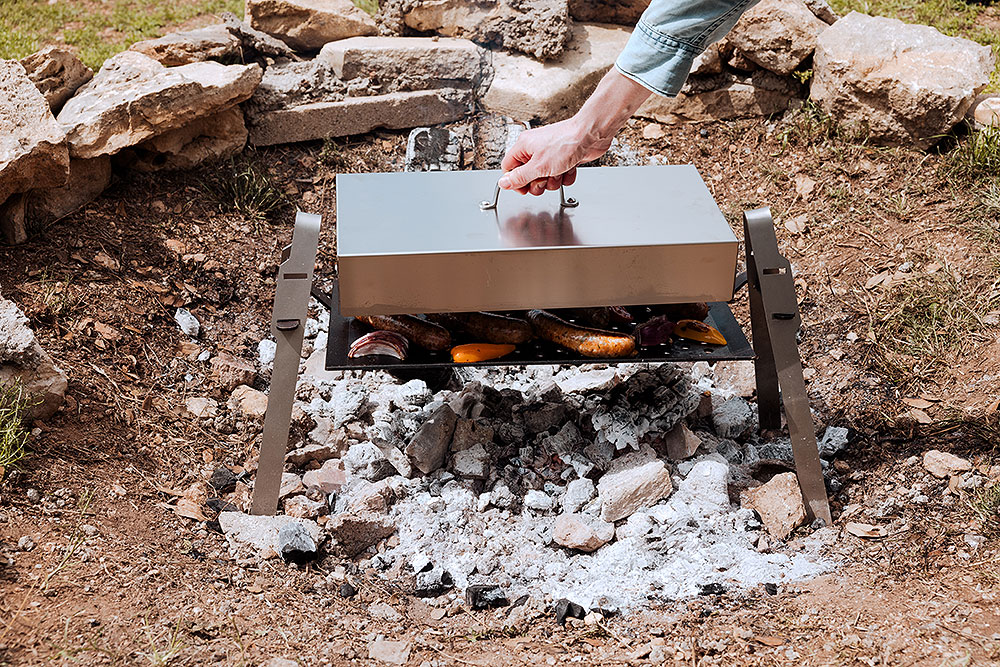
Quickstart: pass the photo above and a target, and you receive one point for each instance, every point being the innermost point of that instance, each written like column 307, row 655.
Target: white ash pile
column 608, row 486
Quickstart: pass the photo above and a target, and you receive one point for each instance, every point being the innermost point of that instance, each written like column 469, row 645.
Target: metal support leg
column 775, row 321
column 291, row 305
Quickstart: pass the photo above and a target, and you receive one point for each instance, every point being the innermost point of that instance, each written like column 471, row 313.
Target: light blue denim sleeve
column 670, row 34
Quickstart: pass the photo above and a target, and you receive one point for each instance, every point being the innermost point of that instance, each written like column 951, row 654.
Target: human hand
column 546, row 158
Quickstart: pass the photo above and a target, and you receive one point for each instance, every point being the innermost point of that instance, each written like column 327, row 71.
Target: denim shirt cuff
column 656, row 61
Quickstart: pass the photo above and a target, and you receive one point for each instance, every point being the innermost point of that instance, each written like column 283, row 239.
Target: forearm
column 613, row 102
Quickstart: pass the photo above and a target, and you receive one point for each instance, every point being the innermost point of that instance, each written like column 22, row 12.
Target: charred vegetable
column 699, row 331
column 657, row 331
column 384, row 343
column 473, row 352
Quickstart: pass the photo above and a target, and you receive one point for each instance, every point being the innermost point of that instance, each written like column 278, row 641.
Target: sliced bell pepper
column 699, row 331
column 473, row 352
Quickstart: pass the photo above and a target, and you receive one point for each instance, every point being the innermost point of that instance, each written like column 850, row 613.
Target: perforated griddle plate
column 345, row 330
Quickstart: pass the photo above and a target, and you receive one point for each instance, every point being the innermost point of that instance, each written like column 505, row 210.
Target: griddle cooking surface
column 345, row 330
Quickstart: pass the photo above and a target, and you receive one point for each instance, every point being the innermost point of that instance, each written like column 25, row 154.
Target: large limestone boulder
column 23, row 361
column 88, row 178
column 525, row 89
column 723, row 97
column 358, row 115
column 540, row 28
column 33, row 149
column 905, row 84
column 777, row 34
column 410, row 63
column 57, row 73
column 608, row 11
column 306, row 25
column 207, row 139
column 214, row 42
column 134, row 98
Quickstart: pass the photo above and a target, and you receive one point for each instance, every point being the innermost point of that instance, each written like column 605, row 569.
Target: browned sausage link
column 586, row 341
column 486, row 327
column 425, row 334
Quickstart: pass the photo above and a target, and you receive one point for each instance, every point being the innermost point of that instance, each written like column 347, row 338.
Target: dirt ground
column 115, row 577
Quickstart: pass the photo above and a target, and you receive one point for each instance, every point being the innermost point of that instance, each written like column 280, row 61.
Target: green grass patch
column 957, row 18
column 14, row 404
column 97, row 29
column 245, row 187
column 977, row 156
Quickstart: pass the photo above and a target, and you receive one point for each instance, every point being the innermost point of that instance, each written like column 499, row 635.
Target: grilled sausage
column 683, row 311
column 585, row 341
column 425, row 334
column 486, row 327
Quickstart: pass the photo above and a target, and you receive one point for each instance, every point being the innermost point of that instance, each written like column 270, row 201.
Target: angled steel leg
column 775, row 321
column 291, row 305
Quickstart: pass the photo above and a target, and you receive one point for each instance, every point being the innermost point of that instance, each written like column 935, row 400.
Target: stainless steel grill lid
column 419, row 242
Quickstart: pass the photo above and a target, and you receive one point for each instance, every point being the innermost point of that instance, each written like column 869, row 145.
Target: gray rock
column 834, row 441
column 187, row 322
column 680, row 443
column 724, row 96
column 779, row 504
column 538, row 501
column 433, row 149
column 635, row 481
column 410, row 63
column 582, row 532
column 57, row 72
column 261, row 533
column 33, row 151
column 734, row 418
column 296, row 543
column 23, row 361
column 778, row 35
column 579, row 492
column 540, row 28
column 134, row 98
column 901, row 84
column 822, row 10
column 432, row 583
column 473, row 463
column 87, row 180
column 358, row 115
column 202, row 141
column 214, row 42
column 367, row 461
column 256, row 41
column 429, row 446
column 306, row 25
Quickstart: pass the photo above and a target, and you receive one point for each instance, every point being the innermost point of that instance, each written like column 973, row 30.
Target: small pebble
column 347, row 590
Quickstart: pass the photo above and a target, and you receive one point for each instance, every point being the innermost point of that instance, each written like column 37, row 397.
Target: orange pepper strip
column 473, row 352
column 699, row 331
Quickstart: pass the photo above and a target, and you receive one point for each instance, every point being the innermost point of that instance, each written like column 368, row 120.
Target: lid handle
column 563, row 201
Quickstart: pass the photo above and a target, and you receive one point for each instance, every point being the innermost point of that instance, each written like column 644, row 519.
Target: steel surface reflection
column 528, row 229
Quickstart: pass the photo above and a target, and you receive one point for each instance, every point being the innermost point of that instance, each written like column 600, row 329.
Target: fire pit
column 638, row 237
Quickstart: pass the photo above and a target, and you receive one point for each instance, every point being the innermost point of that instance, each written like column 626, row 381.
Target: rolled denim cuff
column 656, row 61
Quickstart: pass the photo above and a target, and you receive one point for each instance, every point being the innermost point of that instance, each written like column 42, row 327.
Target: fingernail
column 504, row 182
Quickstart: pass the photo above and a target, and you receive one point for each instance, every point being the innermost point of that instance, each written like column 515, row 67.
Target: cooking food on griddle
column 657, row 331
column 426, row 334
column 682, row 311
column 699, row 331
column 583, row 340
column 473, row 352
column 488, row 327
column 601, row 317
column 385, row 343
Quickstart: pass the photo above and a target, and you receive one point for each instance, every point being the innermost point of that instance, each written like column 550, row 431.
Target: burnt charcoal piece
column 347, row 590
column 485, row 596
column 432, row 583
column 223, row 480
column 711, row 589
column 565, row 609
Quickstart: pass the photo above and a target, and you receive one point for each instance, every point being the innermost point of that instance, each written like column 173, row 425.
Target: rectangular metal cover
column 419, row 242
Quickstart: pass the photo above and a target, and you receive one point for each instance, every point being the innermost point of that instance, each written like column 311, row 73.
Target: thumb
column 521, row 176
